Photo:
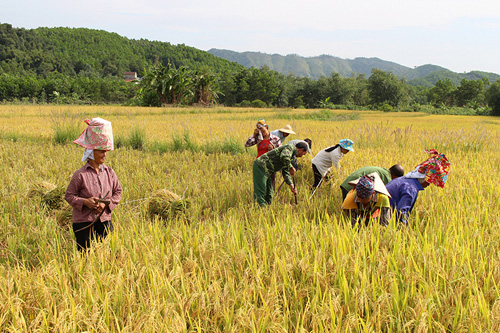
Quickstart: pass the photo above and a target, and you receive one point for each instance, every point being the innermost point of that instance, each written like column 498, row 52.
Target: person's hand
column 270, row 147
column 293, row 189
column 91, row 202
column 100, row 207
column 256, row 132
column 292, row 171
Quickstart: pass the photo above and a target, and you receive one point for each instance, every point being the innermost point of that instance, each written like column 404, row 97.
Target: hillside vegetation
column 324, row 65
column 73, row 51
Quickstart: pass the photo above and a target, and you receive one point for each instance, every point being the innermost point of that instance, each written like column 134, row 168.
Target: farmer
column 295, row 164
column 282, row 133
column 329, row 157
column 386, row 175
column 368, row 200
column 404, row 190
column 264, row 140
column 278, row 159
column 94, row 190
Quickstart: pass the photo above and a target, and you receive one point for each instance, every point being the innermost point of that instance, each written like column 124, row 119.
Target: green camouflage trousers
column 262, row 186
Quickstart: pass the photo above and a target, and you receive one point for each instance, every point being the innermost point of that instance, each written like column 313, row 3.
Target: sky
column 456, row 34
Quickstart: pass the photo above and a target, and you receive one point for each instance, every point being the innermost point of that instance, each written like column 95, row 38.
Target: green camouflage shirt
column 278, row 159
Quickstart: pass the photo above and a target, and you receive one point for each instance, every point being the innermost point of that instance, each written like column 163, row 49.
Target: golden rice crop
column 236, row 267
column 64, row 215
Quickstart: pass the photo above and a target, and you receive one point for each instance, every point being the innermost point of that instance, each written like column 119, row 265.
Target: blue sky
column 459, row 35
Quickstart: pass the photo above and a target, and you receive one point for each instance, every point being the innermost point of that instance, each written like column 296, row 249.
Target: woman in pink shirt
column 94, row 190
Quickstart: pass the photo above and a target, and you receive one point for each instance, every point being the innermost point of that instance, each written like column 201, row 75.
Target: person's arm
column 117, row 193
column 286, row 159
column 385, row 216
column 405, row 204
column 71, row 195
column 276, row 142
column 253, row 140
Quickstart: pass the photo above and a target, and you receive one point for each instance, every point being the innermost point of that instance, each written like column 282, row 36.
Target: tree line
column 168, row 85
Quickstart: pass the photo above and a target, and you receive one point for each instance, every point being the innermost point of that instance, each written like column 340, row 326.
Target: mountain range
column 324, row 65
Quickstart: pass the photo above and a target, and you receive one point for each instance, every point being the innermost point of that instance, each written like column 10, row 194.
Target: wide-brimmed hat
column 287, row 129
column 377, row 181
column 346, row 144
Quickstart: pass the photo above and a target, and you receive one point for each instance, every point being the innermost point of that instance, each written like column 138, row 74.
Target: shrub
column 245, row 104
column 258, row 104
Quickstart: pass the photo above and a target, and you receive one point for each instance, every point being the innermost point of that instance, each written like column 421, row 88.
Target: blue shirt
column 404, row 193
column 279, row 134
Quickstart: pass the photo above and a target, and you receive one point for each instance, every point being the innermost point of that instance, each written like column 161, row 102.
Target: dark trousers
column 344, row 193
column 317, row 177
column 84, row 234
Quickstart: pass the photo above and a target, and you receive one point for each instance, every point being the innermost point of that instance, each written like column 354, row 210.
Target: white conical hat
column 378, row 184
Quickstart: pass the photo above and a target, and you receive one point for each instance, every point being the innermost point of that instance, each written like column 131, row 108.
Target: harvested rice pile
column 55, row 198
column 50, row 195
column 64, row 216
column 40, row 189
column 167, row 205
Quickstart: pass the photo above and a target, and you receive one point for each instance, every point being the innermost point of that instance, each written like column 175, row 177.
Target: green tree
column 493, row 97
column 470, row 92
column 442, row 93
column 385, row 87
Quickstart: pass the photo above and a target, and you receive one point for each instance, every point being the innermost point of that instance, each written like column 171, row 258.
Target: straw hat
column 287, row 129
column 379, row 184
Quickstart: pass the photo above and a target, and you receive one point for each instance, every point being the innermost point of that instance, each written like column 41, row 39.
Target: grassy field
column 227, row 265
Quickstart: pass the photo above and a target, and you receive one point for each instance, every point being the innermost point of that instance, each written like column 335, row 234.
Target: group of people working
column 368, row 193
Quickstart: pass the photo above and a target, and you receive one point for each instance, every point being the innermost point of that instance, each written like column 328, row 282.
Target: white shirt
column 325, row 160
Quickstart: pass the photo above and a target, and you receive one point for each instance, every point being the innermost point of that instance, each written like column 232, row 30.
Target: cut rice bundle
column 40, row 189
column 50, row 195
column 54, row 199
column 167, row 205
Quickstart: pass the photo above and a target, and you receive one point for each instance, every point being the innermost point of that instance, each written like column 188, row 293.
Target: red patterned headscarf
column 435, row 169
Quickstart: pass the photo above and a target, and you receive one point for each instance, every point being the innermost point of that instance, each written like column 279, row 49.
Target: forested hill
column 324, row 65
column 71, row 51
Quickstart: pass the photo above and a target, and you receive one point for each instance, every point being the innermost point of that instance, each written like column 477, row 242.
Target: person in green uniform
column 278, row 159
column 386, row 175
column 368, row 201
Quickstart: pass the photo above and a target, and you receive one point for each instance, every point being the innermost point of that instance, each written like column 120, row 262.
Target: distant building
column 130, row 76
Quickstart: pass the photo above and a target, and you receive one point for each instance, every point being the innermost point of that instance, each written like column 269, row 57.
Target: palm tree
column 171, row 84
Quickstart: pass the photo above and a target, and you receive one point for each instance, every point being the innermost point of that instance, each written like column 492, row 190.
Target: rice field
column 225, row 265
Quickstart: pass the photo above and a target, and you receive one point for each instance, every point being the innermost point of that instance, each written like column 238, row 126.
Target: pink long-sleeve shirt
column 86, row 183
